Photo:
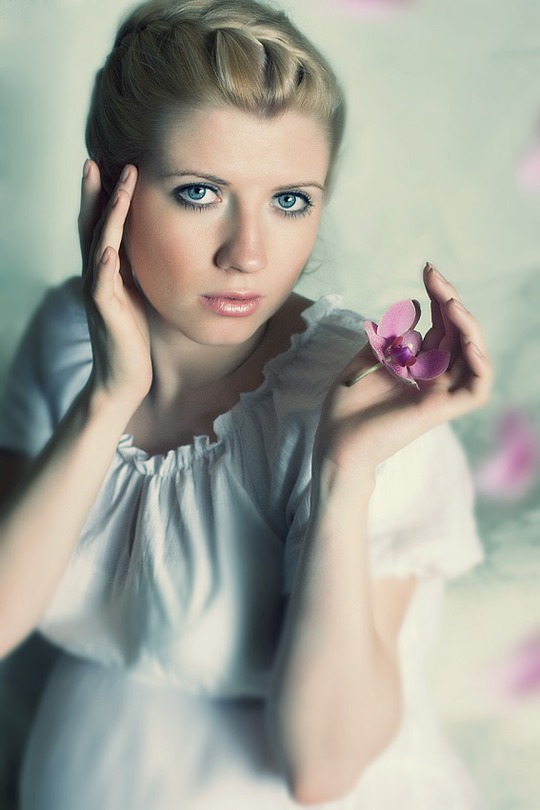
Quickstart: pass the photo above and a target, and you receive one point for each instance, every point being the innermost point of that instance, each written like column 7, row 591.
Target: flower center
column 399, row 354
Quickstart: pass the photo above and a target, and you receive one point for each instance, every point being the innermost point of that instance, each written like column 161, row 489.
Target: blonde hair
column 186, row 54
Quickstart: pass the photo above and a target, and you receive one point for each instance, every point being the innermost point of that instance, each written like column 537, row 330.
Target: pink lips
column 232, row 305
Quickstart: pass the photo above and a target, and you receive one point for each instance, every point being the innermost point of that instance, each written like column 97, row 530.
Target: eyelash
column 193, row 206
column 282, row 211
column 303, row 196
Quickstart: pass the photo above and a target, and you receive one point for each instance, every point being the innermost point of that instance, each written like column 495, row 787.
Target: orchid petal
column 413, row 340
column 397, row 345
column 402, row 372
column 400, row 356
column 376, row 342
column 399, row 318
column 430, row 364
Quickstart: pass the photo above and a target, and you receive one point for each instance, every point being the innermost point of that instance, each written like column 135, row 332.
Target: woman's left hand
column 366, row 423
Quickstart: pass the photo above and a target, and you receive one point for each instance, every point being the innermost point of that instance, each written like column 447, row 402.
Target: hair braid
column 183, row 54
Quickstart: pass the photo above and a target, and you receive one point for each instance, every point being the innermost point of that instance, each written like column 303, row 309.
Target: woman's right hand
column 115, row 308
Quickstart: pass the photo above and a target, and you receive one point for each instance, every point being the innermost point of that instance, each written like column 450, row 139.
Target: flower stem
column 354, row 380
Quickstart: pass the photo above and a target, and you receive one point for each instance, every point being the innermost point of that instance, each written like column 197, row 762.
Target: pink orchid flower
column 518, row 676
column 528, row 171
column 509, row 472
column 398, row 346
column 528, row 167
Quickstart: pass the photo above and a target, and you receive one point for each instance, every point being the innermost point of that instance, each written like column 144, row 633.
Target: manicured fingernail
column 105, row 256
column 125, row 174
column 86, row 168
column 434, row 270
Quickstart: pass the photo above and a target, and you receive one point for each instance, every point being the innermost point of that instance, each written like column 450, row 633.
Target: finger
column 109, row 230
column 436, row 314
column 125, row 268
column 106, row 265
column 437, row 286
column 471, row 381
column 90, row 210
column 105, row 278
column 443, row 333
column 472, row 374
column 116, row 212
column 465, row 324
column 481, row 381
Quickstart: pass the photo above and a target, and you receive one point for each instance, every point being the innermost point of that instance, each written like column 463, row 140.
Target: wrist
column 342, row 492
column 97, row 402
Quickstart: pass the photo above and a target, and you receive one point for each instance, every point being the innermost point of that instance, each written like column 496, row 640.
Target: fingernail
column 105, row 256
column 125, row 174
column 115, row 199
column 86, row 168
column 429, row 267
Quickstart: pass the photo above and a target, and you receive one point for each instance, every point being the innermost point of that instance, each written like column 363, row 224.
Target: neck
column 180, row 364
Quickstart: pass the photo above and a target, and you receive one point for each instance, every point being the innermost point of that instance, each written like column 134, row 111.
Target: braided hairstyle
column 180, row 55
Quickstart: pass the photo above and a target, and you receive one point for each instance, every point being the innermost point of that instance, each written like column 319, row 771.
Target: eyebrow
column 191, row 173
column 221, row 182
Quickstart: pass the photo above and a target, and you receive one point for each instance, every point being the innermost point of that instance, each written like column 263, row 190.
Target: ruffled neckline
column 203, row 446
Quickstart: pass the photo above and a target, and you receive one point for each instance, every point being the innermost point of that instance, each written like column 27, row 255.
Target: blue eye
column 293, row 203
column 196, row 192
column 287, row 200
column 196, row 195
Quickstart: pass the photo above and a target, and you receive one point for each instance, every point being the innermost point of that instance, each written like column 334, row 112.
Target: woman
column 239, row 554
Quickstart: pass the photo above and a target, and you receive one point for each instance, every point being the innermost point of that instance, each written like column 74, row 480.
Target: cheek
column 299, row 249
column 151, row 242
column 138, row 230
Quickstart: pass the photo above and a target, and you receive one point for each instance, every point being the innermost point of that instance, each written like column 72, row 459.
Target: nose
column 243, row 246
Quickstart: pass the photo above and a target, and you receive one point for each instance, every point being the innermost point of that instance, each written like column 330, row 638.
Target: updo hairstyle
column 181, row 55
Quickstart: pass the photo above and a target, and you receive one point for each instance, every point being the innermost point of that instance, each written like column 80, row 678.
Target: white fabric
column 176, row 584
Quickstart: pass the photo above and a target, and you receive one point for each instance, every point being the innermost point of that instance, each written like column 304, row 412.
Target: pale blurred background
column 444, row 110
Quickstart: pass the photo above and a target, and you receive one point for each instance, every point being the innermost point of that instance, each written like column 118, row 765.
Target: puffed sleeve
column 421, row 515
column 49, row 369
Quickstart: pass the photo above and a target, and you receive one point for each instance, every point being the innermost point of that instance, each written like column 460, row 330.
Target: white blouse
column 179, row 572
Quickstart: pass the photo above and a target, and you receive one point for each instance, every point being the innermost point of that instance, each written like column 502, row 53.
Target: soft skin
column 237, row 240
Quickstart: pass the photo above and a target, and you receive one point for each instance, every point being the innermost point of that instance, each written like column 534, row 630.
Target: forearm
column 41, row 523
column 335, row 698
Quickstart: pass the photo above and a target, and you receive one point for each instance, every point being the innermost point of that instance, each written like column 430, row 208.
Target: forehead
column 240, row 146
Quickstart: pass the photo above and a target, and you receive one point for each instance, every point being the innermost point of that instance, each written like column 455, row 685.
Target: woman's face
column 224, row 217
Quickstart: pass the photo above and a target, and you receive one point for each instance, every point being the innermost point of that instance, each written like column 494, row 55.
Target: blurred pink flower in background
column 528, row 169
column 369, row 8
column 508, row 474
column 518, row 675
